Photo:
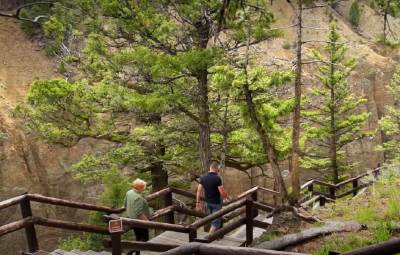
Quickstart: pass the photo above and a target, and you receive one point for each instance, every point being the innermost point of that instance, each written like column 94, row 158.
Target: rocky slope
column 26, row 164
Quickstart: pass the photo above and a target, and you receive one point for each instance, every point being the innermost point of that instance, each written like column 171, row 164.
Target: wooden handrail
column 158, row 194
column 242, row 195
column 12, row 201
column 325, row 184
column 312, row 200
column 226, row 229
column 308, row 183
column 274, row 192
column 387, row 248
column 164, row 211
column 263, row 207
column 17, row 225
column 218, row 214
column 149, row 224
column 354, row 189
column 71, row 204
column 71, row 226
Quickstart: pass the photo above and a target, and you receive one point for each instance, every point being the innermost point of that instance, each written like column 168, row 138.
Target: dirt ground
column 21, row 62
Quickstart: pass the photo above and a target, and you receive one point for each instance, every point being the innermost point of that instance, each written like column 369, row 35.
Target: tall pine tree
column 334, row 117
column 390, row 123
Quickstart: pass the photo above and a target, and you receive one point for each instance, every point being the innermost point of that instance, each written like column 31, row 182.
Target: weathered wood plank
column 12, row 201
column 17, row 225
column 72, row 204
column 71, row 226
column 149, row 224
column 218, row 214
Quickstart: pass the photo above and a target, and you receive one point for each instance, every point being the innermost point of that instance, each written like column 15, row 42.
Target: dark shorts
column 215, row 208
column 142, row 234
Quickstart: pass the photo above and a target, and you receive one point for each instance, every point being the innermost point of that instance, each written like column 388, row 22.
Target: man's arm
column 144, row 209
column 198, row 195
column 222, row 192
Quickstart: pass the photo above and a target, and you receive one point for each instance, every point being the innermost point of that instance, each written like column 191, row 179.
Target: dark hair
column 214, row 165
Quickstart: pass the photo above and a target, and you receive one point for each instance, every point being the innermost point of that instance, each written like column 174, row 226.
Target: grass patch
column 269, row 236
column 366, row 215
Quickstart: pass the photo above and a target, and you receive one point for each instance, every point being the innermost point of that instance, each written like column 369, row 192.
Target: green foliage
column 144, row 69
column 355, row 13
column 389, row 123
column 389, row 6
column 365, row 215
column 344, row 244
column 333, row 118
column 115, row 187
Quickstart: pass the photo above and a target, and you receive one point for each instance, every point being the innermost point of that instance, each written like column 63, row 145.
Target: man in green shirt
column 138, row 208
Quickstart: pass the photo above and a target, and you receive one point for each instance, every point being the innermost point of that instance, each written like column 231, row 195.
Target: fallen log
column 308, row 234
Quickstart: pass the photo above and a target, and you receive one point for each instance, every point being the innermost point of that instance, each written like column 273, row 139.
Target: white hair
column 138, row 183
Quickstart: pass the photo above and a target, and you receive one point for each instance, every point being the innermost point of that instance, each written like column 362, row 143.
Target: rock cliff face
column 370, row 78
column 28, row 165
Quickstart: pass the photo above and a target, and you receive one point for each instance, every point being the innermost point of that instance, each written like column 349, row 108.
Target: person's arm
column 222, row 192
column 221, row 189
column 198, row 196
column 144, row 209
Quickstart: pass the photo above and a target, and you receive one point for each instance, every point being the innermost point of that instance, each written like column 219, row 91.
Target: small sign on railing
column 115, row 226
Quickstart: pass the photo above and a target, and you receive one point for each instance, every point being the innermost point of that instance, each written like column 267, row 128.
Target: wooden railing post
column 355, row 186
column 192, row 234
column 168, row 202
column 332, row 191
column 311, row 188
column 254, row 197
column 322, row 201
column 116, row 243
column 30, row 231
column 249, row 222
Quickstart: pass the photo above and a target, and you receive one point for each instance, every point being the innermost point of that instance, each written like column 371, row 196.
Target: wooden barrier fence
column 244, row 208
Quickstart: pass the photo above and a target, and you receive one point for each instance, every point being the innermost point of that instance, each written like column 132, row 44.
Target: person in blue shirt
column 214, row 193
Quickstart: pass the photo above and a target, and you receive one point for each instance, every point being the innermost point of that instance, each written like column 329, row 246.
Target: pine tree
column 355, row 13
column 333, row 118
column 390, row 123
column 387, row 8
column 146, row 64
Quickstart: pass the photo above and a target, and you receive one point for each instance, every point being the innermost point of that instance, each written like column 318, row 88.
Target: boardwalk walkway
column 234, row 239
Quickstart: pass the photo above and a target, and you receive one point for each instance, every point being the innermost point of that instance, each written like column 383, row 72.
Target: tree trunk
column 267, row 146
column 333, row 138
column 308, row 234
column 204, row 125
column 203, row 29
column 262, row 134
column 294, row 166
column 385, row 20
